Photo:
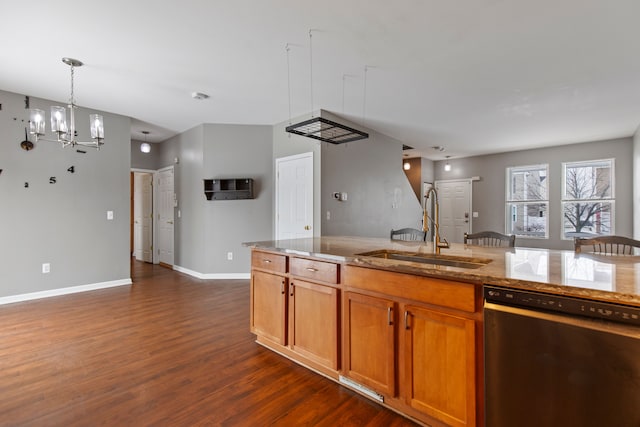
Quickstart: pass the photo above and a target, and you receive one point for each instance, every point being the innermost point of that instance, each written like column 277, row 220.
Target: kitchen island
column 402, row 326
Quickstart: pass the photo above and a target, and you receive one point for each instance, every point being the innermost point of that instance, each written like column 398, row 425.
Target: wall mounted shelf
column 228, row 189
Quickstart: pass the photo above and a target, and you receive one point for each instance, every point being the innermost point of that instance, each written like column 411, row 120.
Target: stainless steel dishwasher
column 559, row 361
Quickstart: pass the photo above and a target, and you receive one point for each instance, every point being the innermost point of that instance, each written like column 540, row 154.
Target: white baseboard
column 63, row 291
column 231, row 276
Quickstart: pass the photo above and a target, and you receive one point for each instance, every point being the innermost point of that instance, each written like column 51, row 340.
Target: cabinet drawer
column 269, row 261
column 314, row 270
column 445, row 293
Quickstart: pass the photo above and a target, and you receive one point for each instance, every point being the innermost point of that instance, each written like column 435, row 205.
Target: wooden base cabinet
column 439, row 365
column 406, row 340
column 295, row 308
column 268, row 315
column 369, row 342
column 313, row 322
column 413, row 340
column 268, row 306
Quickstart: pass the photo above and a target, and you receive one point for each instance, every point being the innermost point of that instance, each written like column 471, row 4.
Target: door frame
column 156, row 255
column 153, row 206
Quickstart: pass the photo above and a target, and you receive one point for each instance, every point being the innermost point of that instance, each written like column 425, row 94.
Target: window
column 528, row 201
column 587, row 199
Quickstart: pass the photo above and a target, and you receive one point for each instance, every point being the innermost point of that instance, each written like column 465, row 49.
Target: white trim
column 207, row 276
column 143, row 170
column 64, row 291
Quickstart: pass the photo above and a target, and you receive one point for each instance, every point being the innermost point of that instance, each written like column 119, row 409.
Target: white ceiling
column 473, row 76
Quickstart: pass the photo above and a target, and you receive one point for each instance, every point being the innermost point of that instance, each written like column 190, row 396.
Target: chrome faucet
column 438, row 242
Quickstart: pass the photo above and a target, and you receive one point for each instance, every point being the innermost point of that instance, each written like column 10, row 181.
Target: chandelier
column 66, row 131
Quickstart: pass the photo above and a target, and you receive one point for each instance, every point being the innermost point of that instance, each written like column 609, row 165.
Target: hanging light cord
column 288, row 81
column 344, row 77
column 311, row 69
column 364, row 94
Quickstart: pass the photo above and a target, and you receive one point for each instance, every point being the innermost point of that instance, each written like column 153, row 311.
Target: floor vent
column 362, row 389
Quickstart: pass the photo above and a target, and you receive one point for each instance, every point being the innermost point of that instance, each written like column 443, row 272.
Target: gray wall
column 140, row 160
column 207, row 230
column 369, row 171
column 65, row 223
column 286, row 144
column 489, row 192
column 636, row 185
column 237, row 151
column 380, row 197
column 189, row 238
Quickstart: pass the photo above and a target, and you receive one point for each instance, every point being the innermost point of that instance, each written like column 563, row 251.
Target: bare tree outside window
column 527, row 201
column 588, row 199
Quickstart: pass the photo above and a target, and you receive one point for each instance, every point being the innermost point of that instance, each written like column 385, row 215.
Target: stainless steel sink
column 429, row 258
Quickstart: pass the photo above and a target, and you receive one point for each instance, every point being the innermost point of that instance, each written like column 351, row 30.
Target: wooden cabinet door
column 268, row 306
column 369, row 342
column 313, row 322
column 439, row 365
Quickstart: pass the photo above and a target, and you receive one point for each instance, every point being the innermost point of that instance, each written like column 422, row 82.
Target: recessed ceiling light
column 199, row 95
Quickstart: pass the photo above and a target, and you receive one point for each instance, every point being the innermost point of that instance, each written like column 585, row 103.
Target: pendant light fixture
column 447, row 166
column 66, row 131
column 145, row 147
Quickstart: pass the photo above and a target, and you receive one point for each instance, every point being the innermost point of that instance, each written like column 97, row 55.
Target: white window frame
column 611, row 199
column 511, row 203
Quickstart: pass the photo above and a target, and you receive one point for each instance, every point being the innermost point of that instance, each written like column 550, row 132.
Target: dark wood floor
column 169, row 350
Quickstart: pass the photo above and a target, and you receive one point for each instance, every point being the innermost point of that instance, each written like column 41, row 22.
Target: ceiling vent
column 326, row 130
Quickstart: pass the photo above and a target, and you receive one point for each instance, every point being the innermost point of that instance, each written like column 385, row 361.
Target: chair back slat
column 490, row 238
column 408, row 234
column 608, row 245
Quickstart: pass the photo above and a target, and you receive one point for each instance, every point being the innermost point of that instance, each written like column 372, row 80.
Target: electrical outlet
column 229, row 256
column 328, row 215
column 109, row 215
column 46, row 267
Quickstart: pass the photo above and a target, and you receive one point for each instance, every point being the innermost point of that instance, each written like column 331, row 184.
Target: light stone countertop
column 598, row 277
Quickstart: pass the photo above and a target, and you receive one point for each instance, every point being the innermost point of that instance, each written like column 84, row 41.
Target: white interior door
column 294, row 196
column 455, row 209
column 142, row 216
column 166, row 202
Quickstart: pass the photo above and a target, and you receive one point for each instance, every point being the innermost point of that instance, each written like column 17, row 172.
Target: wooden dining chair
column 490, row 238
column 613, row 245
column 412, row 234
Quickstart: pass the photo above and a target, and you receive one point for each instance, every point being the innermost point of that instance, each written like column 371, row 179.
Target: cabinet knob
column 307, row 227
